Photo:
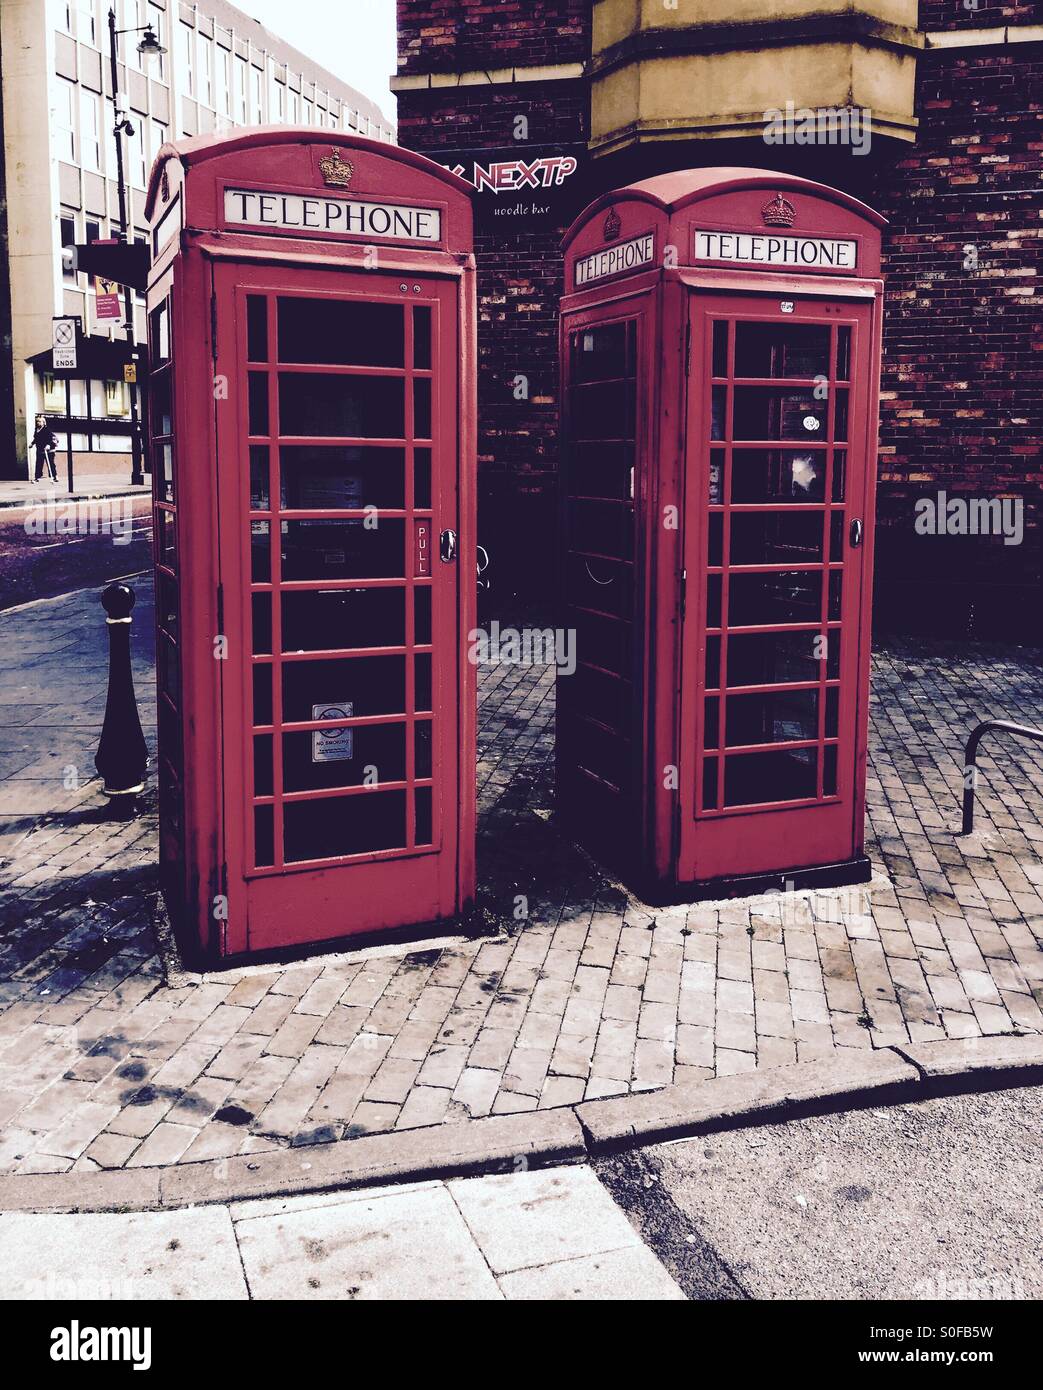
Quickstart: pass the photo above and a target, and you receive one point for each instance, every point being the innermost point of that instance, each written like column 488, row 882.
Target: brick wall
column 468, row 35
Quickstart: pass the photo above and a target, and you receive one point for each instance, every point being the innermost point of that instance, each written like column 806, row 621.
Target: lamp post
column 149, row 46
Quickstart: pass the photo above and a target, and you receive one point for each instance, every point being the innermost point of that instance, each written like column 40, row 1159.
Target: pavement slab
column 593, row 995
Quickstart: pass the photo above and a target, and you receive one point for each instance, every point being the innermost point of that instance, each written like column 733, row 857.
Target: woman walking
column 45, row 442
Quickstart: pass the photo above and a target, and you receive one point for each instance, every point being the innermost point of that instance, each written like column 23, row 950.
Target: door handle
column 447, row 546
column 857, row 531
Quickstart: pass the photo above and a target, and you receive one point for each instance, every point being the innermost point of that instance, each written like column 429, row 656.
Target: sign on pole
column 107, row 306
column 63, row 343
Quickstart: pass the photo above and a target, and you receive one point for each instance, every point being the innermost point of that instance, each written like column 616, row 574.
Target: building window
column 157, row 19
column 115, row 398
column 90, row 131
column 255, row 87
column 64, row 120
column 53, row 393
column 277, row 102
column 240, row 91
column 206, row 71
column 224, row 81
column 293, row 107
column 188, row 85
column 86, row 22
column 307, row 111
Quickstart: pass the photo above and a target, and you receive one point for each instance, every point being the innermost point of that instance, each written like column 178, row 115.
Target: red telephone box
column 720, row 347
column 312, row 345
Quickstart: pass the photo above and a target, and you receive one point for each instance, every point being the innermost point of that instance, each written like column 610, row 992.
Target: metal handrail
column 970, row 767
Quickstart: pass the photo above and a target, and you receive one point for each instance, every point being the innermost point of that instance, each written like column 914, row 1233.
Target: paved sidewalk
column 103, row 1063
column 22, row 492
column 554, row 1234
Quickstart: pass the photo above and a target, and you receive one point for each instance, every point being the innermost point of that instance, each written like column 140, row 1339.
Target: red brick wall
column 465, row 35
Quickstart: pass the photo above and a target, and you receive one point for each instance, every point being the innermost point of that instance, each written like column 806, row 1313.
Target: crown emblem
column 779, row 212
column 612, row 225
column 337, row 172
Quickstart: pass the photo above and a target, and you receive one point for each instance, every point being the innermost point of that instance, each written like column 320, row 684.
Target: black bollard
column 122, row 752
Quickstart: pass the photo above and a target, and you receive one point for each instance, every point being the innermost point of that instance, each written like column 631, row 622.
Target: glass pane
column 832, row 711
column 422, row 408
column 320, row 477
column 715, row 541
column 263, row 774
column 341, row 332
column 713, row 662
column 836, row 581
column 762, row 412
column 342, row 549
column 603, row 352
column 843, row 353
column 710, row 784
column 260, row 490
column 370, row 684
column 718, row 411
column 336, row 826
column 833, row 641
column 163, row 469
column 422, row 755
column 602, row 641
column 778, row 475
column 262, row 623
column 333, row 619
column 424, row 832
column 159, row 404
column 258, row 395
column 771, row 658
column 264, row 836
column 602, row 585
column 260, row 552
column 351, row 757
column 840, row 414
column 422, row 336
column 602, row 528
column 422, row 616
column 713, row 600
column 168, row 670
column 776, row 538
column 772, row 717
column 422, row 689
column 829, row 770
column 784, row 775
column 711, row 722
column 166, row 604
column 766, row 599
column 422, row 478
column 598, row 695
column 839, row 474
column 781, row 350
column 262, row 684
column 352, row 407
column 720, row 347
column 716, row 495
column 836, row 536
column 256, row 328
column 602, row 411
column 166, row 544
column 159, row 335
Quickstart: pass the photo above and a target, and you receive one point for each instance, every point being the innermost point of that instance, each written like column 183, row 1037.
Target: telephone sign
column 720, row 423
column 318, row 777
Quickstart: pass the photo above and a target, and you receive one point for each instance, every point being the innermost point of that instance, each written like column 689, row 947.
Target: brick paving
column 108, row 1058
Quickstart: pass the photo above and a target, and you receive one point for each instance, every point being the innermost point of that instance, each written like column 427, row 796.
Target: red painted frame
column 224, row 905
column 671, row 848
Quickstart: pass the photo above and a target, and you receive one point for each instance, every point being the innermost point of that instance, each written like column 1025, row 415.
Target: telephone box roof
column 673, row 191
column 197, row 149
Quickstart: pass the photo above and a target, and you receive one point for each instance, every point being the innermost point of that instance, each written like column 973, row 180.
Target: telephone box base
column 856, row 870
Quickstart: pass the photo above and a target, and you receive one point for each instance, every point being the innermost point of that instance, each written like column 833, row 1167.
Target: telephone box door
column 338, row 502
column 776, row 546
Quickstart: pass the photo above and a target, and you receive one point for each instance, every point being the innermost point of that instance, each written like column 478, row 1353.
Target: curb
column 540, row 1138
column 31, row 500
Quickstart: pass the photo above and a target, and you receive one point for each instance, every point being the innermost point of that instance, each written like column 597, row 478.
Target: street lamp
column 149, row 46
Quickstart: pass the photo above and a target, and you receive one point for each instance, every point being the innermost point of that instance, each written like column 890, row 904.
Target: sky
column 353, row 39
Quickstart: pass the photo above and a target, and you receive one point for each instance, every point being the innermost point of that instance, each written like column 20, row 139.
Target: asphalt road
column 935, row 1200
column 38, row 562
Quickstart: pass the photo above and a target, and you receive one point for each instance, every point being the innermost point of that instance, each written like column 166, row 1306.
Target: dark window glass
column 777, row 716
column 422, row 407
column 766, row 599
column 713, row 600
column 716, row 494
column 772, row 658
column 839, row 474
column 775, row 538
column 350, row 407
column 829, row 770
column 163, row 470
column 836, row 589
column 422, row 690
column 840, row 414
column 370, row 684
column 781, row 350
column 343, row 619
column 602, row 410
column 333, row 827
column 832, row 711
column 602, row 528
column 262, row 684
column 260, row 552
column 422, row 755
column 602, row 585
column 778, row 475
column 166, row 604
column 159, row 404
column 602, row 470
column 370, row 754
column 710, row 784
column 843, row 353
column 423, row 816
column 159, row 335
column 711, row 722
column 321, row 477
column 780, row 775
column 833, row 641
column 603, row 352
column 256, row 328
column 422, row 478
column 602, row 641
column 263, row 774
column 166, row 540
column 264, row 836
column 260, row 490
column 422, row 617
column 258, row 393
column 715, row 541
column 713, row 662
column 422, row 337
column 720, row 347
column 836, row 536
column 343, row 549
column 719, row 412
column 168, row 671
column 340, row 332
column 764, row 413
column 262, row 623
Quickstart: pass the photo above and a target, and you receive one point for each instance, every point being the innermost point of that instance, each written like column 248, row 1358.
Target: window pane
column 788, row 775
column 256, row 328
column 371, row 754
column 602, row 352
column 262, row 684
column 323, row 406
column 781, row 349
column 775, row 538
column 320, row 477
column 763, row 413
column 370, row 684
column 423, row 816
column 767, row 599
column 341, row 332
column 332, row 827
column 772, row 717
column 771, row 658
column 333, row 619
column 260, row 552
column 422, row 337
column 342, row 549
column 258, row 396
column 778, row 475
column 422, row 408
column 260, row 492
